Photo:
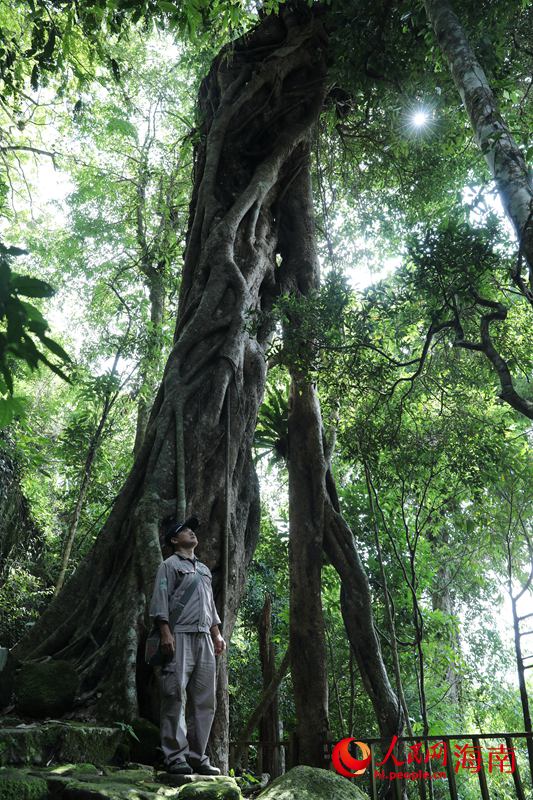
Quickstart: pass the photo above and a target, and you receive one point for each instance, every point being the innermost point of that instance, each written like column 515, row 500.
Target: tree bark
column 502, row 154
column 269, row 724
column 300, row 274
column 306, row 624
column 256, row 106
column 315, row 499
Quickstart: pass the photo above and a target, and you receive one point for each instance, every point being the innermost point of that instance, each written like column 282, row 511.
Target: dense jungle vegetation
column 286, row 239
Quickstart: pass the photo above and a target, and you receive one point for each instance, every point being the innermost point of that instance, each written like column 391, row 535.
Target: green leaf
column 7, row 376
column 6, row 411
column 122, row 126
column 165, row 5
column 33, row 313
column 31, row 287
column 56, row 349
column 54, row 368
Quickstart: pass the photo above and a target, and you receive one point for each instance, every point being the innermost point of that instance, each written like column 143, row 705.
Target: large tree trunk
column 502, row 154
column 306, row 531
column 258, row 103
column 269, row 724
column 314, row 500
column 300, row 274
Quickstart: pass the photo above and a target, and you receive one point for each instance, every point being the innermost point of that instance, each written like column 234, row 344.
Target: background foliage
column 97, row 128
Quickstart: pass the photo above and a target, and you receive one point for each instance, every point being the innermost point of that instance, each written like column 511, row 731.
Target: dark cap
column 175, row 527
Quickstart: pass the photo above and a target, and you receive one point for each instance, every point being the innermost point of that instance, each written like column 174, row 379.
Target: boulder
column 311, row 783
column 180, row 780
column 45, row 689
column 220, row 789
column 39, row 743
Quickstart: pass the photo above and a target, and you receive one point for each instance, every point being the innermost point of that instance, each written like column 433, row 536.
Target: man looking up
column 189, row 674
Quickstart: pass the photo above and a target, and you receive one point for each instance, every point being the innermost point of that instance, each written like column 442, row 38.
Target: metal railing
column 288, row 751
column 475, row 739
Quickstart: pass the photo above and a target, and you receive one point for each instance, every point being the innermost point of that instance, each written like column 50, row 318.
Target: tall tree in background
column 504, row 157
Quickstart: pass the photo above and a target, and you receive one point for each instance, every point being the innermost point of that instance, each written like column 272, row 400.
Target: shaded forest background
column 431, row 460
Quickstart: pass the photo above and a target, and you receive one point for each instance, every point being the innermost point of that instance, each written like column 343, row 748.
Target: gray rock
column 311, row 783
column 221, row 788
column 73, row 742
column 181, row 780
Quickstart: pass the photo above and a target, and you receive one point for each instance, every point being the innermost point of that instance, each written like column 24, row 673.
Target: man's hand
column 219, row 644
column 168, row 644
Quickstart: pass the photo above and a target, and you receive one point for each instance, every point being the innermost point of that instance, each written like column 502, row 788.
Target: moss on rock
column 85, row 769
column 221, row 789
column 45, row 689
column 95, row 744
column 104, row 790
column 121, row 776
column 62, row 741
column 17, row 785
column 29, row 744
column 311, row 783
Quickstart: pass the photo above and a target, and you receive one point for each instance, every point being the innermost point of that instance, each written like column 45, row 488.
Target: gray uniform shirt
column 172, row 579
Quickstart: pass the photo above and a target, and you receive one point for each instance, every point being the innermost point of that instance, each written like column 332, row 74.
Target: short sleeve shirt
column 173, row 577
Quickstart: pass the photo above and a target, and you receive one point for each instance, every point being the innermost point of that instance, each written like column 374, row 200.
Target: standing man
column 190, row 672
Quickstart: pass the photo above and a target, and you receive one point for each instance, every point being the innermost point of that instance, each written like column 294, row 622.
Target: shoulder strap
column 176, row 612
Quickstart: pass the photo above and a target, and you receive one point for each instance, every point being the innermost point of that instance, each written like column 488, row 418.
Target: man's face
column 185, row 538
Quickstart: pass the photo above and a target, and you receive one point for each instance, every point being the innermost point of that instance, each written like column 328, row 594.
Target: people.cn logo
column 345, row 763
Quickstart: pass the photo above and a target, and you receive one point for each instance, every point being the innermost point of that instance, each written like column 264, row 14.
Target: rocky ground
column 60, row 760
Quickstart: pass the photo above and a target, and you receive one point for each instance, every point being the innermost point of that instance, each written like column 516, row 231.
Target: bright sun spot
column 420, row 118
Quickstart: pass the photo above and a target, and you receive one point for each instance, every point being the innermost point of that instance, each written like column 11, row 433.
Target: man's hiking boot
column 203, row 769
column 179, row 768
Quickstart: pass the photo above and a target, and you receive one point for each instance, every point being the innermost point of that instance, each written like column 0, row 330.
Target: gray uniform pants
column 189, row 678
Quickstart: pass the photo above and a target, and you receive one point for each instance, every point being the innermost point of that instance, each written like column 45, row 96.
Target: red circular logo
column 345, row 763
